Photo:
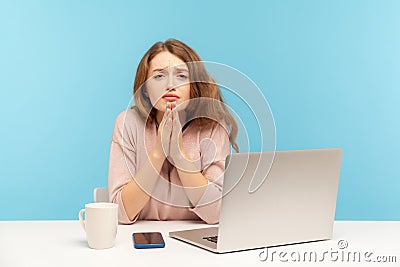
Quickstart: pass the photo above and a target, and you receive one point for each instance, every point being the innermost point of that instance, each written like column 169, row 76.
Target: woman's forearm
column 136, row 193
column 194, row 182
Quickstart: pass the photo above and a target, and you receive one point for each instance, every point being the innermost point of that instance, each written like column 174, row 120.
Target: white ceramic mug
column 100, row 224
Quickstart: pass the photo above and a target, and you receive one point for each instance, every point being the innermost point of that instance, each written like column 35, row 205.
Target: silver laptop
column 292, row 200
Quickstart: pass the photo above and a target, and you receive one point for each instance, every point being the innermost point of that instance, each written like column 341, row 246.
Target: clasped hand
column 170, row 139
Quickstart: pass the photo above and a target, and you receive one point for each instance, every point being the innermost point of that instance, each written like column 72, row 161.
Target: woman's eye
column 182, row 76
column 158, row 76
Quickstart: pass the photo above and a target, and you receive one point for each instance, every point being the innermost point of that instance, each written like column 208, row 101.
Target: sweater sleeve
column 122, row 166
column 213, row 155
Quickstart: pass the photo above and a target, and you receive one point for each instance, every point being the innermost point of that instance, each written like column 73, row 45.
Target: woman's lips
column 170, row 98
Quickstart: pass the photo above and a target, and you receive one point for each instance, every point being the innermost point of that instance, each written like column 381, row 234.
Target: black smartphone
column 148, row 240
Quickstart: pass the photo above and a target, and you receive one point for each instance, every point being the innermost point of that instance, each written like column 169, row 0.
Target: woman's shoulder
column 129, row 117
column 128, row 121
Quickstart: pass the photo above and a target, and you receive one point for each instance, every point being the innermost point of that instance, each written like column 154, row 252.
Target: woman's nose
column 171, row 82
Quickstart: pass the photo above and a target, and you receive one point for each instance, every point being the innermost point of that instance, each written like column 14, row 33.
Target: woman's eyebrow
column 182, row 69
column 159, row 69
column 164, row 68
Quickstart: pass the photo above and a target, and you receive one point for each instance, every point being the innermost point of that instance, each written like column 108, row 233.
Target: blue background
column 329, row 69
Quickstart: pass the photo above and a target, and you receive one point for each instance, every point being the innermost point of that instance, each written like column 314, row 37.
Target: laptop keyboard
column 213, row 239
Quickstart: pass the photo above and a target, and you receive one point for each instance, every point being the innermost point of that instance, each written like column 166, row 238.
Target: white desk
column 62, row 243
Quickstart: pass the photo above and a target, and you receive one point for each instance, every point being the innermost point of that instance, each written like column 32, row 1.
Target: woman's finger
column 167, row 114
column 165, row 130
column 176, row 126
column 165, row 135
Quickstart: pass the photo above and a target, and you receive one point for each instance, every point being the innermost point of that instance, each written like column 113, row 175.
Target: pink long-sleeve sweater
column 207, row 146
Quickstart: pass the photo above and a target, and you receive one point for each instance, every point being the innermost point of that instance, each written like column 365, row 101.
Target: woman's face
column 168, row 81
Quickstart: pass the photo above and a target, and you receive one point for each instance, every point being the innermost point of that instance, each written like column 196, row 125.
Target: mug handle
column 81, row 218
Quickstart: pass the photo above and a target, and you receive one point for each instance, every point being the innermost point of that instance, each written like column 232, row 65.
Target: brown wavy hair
column 207, row 88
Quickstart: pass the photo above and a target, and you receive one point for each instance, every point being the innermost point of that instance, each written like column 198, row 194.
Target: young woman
column 168, row 151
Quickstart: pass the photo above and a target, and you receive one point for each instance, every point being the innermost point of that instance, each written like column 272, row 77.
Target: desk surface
column 63, row 243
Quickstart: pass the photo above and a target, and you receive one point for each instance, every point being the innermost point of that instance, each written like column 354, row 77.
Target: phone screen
column 148, row 240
